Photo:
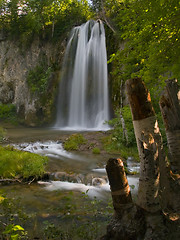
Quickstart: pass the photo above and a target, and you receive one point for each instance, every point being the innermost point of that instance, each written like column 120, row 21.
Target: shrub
column 38, row 78
column 8, row 112
column 112, row 146
column 2, row 134
column 74, row 141
column 12, row 216
column 117, row 133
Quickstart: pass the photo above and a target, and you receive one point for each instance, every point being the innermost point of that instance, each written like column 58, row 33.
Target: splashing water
column 83, row 92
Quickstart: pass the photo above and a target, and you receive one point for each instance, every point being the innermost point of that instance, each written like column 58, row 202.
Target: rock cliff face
column 15, row 64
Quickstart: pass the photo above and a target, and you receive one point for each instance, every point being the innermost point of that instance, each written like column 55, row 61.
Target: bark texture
column 149, row 143
column 148, row 193
column 125, row 134
column 156, row 215
column 139, row 99
column 170, row 109
column 120, row 190
column 128, row 221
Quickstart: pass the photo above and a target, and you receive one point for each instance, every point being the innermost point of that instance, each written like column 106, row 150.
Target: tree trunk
column 128, row 221
column 120, row 190
column 52, row 33
column 170, row 109
column 125, row 134
column 149, row 144
column 148, row 220
column 105, row 17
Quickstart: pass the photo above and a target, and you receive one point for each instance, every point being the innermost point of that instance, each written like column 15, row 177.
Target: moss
column 45, row 107
column 15, row 163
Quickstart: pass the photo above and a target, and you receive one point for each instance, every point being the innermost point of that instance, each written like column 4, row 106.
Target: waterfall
column 83, row 91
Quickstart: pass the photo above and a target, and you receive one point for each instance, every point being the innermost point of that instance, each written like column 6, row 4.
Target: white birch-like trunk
column 170, row 109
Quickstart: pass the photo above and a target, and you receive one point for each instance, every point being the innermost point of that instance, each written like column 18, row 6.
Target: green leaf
column 15, row 237
column 8, row 229
column 1, row 199
column 18, row 228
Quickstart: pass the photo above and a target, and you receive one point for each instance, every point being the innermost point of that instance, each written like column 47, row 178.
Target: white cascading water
column 83, row 93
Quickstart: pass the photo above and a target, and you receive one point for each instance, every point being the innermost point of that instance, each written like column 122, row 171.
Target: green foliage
column 51, row 231
column 16, row 164
column 14, row 232
column 79, row 218
column 74, row 141
column 88, row 219
column 96, row 150
column 25, row 19
column 118, row 138
column 114, row 147
column 38, row 79
column 148, row 33
column 2, row 134
column 12, row 216
column 116, row 141
column 8, row 113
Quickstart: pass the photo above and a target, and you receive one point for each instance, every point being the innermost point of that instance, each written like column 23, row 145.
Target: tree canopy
column 43, row 17
column 148, row 32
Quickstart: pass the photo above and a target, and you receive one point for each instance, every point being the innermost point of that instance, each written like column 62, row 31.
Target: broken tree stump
column 170, row 109
column 155, row 192
column 148, row 193
column 128, row 221
column 120, row 190
column 147, row 220
column 149, row 143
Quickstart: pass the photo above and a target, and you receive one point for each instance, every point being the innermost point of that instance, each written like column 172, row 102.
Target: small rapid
column 91, row 180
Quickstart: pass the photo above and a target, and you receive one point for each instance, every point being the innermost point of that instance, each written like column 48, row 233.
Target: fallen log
column 7, row 180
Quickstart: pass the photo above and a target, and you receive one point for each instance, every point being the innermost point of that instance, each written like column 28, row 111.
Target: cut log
column 170, row 109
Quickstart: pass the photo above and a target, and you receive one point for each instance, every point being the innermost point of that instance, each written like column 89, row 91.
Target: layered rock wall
column 15, row 63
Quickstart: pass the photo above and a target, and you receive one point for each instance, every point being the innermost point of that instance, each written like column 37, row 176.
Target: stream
column 75, row 177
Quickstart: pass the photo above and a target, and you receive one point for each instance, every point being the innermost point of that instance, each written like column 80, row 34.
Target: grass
column 96, row 150
column 76, row 217
column 114, row 147
column 18, row 164
column 74, row 142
